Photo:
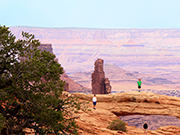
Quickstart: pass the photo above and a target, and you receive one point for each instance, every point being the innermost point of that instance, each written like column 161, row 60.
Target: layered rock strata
column 111, row 106
column 100, row 84
column 95, row 122
column 47, row 47
column 107, row 86
column 70, row 85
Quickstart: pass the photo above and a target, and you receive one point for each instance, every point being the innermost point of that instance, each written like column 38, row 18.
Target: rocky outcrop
column 95, row 122
column 66, row 86
column 107, row 86
column 70, row 85
column 47, row 47
column 145, row 103
column 111, row 106
column 100, row 85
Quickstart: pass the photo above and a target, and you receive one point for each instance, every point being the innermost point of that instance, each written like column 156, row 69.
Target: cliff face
column 47, row 47
column 152, row 51
column 111, row 106
column 132, row 48
column 70, row 85
column 73, row 86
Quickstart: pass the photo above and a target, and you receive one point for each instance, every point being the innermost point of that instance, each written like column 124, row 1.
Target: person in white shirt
column 94, row 100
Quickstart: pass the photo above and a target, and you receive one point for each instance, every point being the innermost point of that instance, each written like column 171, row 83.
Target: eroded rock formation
column 47, row 47
column 107, row 86
column 95, row 122
column 70, row 85
column 111, row 106
column 100, row 85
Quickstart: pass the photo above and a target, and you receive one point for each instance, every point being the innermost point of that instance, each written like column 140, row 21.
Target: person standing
column 139, row 84
column 94, row 100
column 145, row 126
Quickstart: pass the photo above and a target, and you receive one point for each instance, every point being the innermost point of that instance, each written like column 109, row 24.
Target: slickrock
column 111, row 106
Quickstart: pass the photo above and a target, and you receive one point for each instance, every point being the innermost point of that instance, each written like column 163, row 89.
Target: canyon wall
column 127, row 48
column 150, row 51
column 70, row 85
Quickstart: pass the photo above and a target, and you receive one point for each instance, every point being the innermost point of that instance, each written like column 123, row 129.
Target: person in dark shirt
column 145, row 126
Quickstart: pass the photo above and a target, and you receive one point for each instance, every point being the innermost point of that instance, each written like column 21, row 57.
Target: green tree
column 1, row 122
column 31, row 89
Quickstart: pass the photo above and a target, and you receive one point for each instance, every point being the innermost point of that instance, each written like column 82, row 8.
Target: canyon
column 70, row 85
column 151, row 52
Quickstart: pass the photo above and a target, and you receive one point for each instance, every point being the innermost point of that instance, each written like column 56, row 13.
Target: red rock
column 110, row 106
column 100, row 85
column 107, row 86
column 70, row 85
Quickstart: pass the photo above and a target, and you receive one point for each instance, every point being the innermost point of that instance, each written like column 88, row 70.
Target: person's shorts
column 146, row 130
column 94, row 103
column 139, row 87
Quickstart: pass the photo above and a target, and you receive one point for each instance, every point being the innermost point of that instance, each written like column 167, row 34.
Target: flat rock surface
column 110, row 107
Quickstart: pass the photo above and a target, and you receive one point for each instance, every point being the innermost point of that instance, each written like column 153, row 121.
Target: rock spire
column 100, row 84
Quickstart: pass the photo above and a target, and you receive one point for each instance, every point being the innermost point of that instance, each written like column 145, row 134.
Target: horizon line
column 115, row 28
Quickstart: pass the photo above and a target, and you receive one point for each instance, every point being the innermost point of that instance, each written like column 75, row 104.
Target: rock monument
column 107, row 86
column 100, row 85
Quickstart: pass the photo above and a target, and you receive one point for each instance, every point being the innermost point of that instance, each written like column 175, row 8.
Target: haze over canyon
column 128, row 54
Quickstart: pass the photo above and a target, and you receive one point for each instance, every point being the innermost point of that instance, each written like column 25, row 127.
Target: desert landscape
column 150, row 54
column 97, row 47
column 128, row 54
column 133, row 107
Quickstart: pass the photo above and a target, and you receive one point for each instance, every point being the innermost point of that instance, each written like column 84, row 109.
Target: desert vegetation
column 31, row 88
column 117, row 124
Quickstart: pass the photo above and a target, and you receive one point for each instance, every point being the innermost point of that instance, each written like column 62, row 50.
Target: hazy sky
column 91, row 13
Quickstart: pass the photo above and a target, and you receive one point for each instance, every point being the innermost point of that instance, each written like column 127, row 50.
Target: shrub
column 1, row 122
column 118, row 125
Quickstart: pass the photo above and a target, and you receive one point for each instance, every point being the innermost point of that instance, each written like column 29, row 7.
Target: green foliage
column 31, row 88
column 2, row 119
column 117, row 125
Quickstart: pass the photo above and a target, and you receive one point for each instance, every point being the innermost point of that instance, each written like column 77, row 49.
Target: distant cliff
column 152, row 51
column 47, row 47
column 72, row 86
column 132, row 48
